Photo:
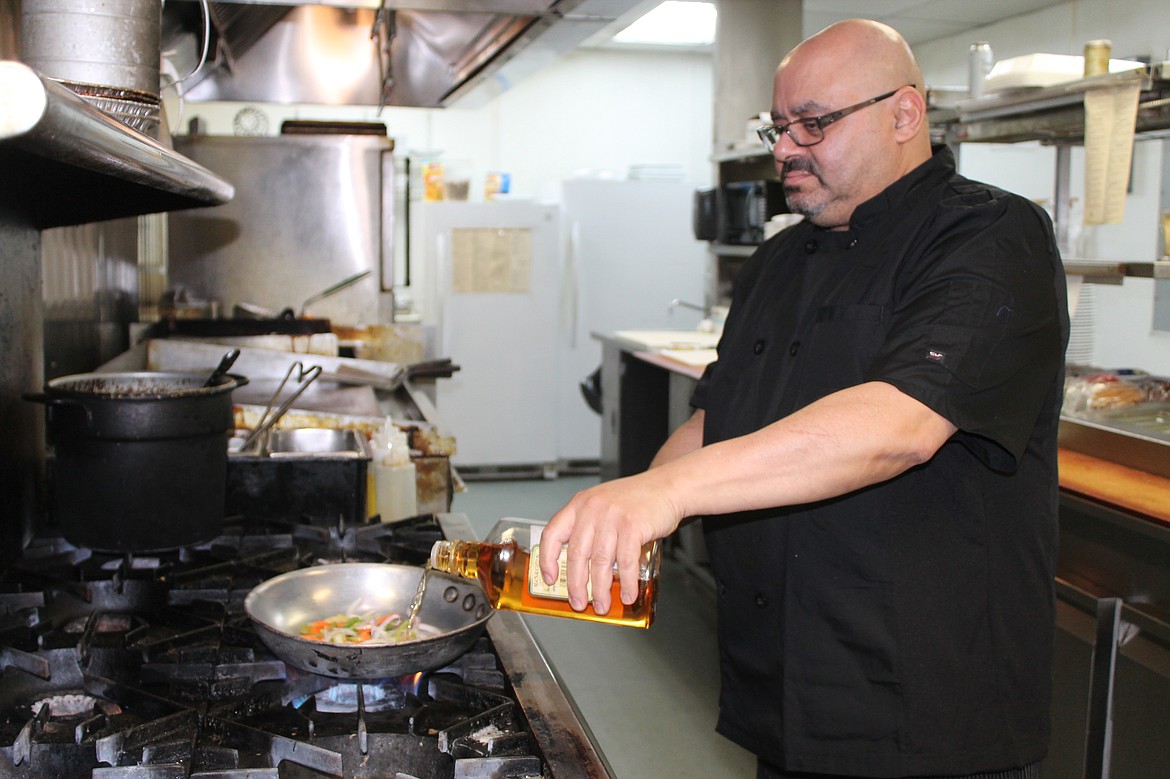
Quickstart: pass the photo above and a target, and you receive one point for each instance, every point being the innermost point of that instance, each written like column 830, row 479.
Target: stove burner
column 73, row 705
column 147, row 666
column 132, row 563
column 373, row 698
column 103, row 623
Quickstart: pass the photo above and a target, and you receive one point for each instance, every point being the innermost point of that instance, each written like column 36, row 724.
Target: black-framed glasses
column 811, row 130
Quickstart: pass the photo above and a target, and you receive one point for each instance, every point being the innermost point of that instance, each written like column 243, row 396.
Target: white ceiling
column 919, row 20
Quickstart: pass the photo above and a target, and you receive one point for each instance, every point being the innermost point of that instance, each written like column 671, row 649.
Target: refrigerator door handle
column 443, row 289
column 384, row 253
column 569, row 287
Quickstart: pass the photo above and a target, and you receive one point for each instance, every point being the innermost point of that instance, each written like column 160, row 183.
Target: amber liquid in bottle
column 503, row 571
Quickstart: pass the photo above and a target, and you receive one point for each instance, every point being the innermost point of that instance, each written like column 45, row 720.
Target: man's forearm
column 686, row 438
column 859, row 436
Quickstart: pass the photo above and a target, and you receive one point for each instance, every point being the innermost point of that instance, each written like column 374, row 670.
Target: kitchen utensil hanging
column 305, row 377
column 333, row 290
column 245, row 310
column 221, row 370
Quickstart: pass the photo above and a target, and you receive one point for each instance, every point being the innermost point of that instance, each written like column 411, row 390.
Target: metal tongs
column 305, row 377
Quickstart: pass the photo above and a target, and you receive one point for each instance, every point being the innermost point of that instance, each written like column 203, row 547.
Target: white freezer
column 495, row 310
column 630, row 250
column 611, row 257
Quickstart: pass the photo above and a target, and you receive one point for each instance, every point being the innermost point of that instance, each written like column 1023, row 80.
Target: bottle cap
column 436, row 550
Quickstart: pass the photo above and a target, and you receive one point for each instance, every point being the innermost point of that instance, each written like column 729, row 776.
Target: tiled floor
column 649, row 697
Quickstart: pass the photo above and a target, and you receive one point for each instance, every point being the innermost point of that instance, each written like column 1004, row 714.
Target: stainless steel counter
column 1118, row 441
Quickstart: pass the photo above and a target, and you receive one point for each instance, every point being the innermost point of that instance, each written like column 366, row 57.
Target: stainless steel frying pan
column 454, row 613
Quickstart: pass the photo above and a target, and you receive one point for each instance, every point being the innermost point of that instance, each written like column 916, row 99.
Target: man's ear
column 909, row 114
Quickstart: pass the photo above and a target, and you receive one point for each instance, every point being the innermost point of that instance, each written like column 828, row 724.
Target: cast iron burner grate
column 147, row 667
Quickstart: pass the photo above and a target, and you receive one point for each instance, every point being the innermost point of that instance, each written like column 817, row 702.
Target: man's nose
column 784, row 148
column 782, row 154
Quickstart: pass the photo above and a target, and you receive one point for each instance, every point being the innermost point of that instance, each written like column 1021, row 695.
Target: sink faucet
column 672, row 305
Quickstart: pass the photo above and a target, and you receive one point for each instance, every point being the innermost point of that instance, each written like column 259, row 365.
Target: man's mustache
column 803, row 164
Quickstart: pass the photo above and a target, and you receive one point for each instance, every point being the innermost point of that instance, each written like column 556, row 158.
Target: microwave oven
column 746, row 207
column 736, row 212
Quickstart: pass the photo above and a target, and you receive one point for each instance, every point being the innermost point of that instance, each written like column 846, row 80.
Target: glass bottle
column 506, row 564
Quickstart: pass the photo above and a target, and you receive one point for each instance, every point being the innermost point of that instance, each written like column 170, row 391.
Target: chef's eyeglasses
column 811, row 130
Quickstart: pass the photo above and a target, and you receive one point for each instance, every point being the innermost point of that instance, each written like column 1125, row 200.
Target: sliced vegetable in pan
column 359, row 628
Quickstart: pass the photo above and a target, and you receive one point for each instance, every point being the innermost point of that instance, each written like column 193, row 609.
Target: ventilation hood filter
column 420, row 53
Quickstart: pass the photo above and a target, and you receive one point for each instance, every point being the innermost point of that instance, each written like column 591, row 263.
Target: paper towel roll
column 1110, row 117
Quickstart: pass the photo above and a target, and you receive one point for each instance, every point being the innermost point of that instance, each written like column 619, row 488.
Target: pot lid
column 142, row 385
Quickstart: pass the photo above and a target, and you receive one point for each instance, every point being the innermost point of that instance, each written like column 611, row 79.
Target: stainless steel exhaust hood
column 422, row 53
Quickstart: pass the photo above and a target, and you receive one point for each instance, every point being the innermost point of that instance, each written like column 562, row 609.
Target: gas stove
column 147, row 667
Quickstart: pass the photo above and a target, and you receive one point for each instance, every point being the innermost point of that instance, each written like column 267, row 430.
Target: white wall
column 1122, row 331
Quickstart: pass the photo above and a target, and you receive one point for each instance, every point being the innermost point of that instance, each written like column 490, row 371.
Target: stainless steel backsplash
column 90, row 288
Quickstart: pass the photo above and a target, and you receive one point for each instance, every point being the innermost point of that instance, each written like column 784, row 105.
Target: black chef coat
column 905, row 628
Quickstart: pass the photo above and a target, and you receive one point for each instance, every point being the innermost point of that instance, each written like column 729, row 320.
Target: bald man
column 873, row 453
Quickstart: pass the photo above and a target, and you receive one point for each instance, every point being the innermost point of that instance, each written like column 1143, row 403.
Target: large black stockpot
column 140, row 459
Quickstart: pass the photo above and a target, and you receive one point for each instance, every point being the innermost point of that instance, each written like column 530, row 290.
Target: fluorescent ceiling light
column 673, row 23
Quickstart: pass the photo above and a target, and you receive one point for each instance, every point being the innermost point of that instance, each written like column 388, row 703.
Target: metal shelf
column 1107, row 270
column 65, row 162
column 742, row 150
column 744, row 250
column 1055, row 114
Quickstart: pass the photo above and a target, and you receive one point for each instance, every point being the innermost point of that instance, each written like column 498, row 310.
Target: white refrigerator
column 630, row 251
column 515, row 291
column 488, row 279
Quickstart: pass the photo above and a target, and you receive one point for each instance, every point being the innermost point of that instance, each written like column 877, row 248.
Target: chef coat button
column 810, row 247
column 853, row 243
column 758, row 347
column 793, row 348
column 761, row 600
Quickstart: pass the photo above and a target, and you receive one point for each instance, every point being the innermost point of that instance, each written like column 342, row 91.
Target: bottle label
column 559, row 589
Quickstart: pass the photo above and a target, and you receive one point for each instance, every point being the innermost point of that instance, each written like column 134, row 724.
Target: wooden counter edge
column 667, row 363
column 1125, row 488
